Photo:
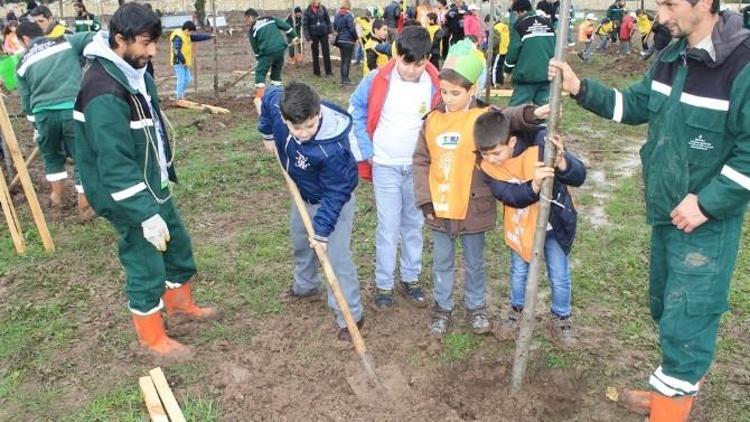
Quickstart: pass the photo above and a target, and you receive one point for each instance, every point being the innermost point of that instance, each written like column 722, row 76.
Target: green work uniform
column 87, row 22
column 694, row 100
column 49, row 76
column 532, row 44
column 125, row 162
column 269, row 46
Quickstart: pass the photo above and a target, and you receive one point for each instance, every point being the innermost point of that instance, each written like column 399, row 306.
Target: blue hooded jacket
column 323, row 167
column 563, row 216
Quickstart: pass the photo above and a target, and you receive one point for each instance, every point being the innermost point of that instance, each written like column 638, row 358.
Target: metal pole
column 532, row 282
column 216, row 53
column 490, row 53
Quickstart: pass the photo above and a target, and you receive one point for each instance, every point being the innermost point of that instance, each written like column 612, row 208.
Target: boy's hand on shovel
column 314, row 243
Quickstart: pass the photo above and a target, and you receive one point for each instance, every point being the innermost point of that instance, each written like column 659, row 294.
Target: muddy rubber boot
column 636, row 401
column 57, row 193
column 179, row 301
column 151, row 335
column 670, row 409
column 85, row 212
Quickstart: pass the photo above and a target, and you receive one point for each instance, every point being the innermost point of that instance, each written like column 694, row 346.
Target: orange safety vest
column 450, row 141
column 519, row 223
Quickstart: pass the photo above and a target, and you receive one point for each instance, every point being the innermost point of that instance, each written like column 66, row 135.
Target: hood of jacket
column 335, row 123
column 134, row 79
column 728, row 33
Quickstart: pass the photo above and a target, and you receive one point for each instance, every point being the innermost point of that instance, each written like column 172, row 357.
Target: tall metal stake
column 216, row 51
column 490, row 52
column 532, row 282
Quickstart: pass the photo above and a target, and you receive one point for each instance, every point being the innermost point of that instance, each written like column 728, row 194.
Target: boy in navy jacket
column 311, row 138
column 515, row 175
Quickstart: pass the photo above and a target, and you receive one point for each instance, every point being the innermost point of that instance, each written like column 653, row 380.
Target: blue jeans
column 306, row 274
column 558, row 272
column 182, row 73
column 399, row 223
column 443, row 270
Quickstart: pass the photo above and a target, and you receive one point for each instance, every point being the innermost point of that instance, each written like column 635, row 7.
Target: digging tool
column 34, row 155
column 369, row 387
column 532, row 282
column 239, row 78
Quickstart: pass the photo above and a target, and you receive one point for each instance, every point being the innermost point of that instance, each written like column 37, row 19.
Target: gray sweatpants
column 306, row 267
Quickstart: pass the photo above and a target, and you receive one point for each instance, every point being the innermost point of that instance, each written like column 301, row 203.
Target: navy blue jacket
column 563, row 216
column 323, row 167
column 343, row 24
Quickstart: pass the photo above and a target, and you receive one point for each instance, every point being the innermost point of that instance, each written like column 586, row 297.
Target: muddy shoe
column 383, row 299
column 413, row 292
column 477, row 318
column 344, row 334
column 562, row 332
column 311, row 296
column 441, row 320
column 508, row 327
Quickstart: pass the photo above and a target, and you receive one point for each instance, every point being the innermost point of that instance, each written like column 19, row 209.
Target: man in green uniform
column 696, row 168
column 269, row 47
column 532, row 44
column 85, row 21
column 615, row 12
column 125, row 162
column 49, row 76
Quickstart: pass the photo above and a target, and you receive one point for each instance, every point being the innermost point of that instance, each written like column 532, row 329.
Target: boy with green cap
column 450, row 187
column 532, row 44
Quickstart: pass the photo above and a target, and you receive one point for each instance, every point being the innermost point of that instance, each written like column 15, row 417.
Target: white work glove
column 156, row 232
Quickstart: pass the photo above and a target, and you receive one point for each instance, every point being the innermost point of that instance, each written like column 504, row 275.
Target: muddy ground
column 287, row 365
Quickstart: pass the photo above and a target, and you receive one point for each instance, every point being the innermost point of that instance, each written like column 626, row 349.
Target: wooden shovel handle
column 333, row 283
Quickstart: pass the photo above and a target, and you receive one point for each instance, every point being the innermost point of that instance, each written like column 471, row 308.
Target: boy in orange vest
column 515, row 178
column 450, row 187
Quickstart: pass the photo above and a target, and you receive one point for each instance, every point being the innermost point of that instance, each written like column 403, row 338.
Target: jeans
column 625, row 46
column 558, row 272
column 359, row 53
column 603, row 41
column 182, row 73
column 306, row 277
column 399, row 223
column 443, row 270
column 347, row 51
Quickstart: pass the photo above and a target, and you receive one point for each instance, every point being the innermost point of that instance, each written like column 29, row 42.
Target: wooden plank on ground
column 33, row 156
column 201, row 107
column 151, row 397
column 165, row 393
column 501, row 92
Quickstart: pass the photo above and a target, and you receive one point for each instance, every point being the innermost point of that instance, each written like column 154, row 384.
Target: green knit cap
column 466, row 60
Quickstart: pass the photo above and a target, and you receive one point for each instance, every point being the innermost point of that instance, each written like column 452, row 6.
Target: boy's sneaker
column 312, row 295
column 413, row 292
column 345, row 335
column 562, row 332
column 441, row 320
column 479, row 322
column 508, row 327
column 383, row 299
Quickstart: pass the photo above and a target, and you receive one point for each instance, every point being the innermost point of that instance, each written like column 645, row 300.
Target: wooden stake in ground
column 11, row 217
column 33, row 156
column 532, row 282
column 36, row 210
column 216, row 51
column 490, row 52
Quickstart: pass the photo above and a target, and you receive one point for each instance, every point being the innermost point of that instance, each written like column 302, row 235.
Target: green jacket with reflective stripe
column 699, row 125
column 116, row 145
column 49, row 73
column 532, row 44
column 265, row 37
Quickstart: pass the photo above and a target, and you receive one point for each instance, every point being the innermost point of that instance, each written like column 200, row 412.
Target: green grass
column 458, row 346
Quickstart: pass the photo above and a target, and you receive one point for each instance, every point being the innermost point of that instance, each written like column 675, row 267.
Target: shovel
column 367, row 386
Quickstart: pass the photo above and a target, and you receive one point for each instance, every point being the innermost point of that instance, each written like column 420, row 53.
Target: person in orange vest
column 450, row 188
column 512, row 161
column 181, row 54
column 586, row 36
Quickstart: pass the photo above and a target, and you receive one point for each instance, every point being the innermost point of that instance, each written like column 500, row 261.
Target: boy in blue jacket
column 515, row 176
column 311, row 138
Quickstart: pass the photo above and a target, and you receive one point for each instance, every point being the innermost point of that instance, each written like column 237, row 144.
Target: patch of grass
column 123, row 403
column 199, row 409
column 457, row 346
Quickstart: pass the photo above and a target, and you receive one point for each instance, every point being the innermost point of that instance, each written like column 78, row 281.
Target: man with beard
column 125, row 162
column 696, row 169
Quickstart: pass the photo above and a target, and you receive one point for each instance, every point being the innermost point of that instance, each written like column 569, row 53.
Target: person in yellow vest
column 181, row 54
column 512, row 162
column 450, row 188
column 604, row 31
column 51, row 27
column 377, row 49
column 644, row 24
column 437, row 33
column 502, row 37
column 363, row 25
